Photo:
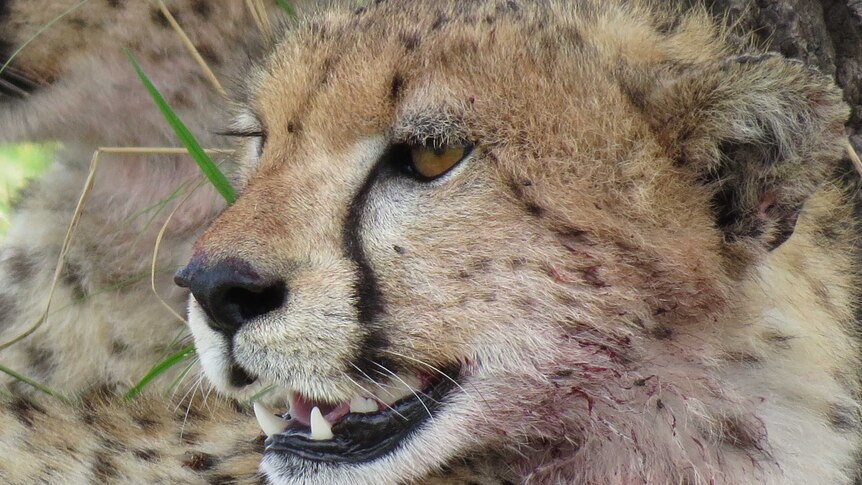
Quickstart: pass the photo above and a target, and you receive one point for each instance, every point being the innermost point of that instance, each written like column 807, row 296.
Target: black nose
column 231, row 292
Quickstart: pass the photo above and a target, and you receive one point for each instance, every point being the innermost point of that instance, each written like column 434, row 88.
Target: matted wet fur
column 643, row 270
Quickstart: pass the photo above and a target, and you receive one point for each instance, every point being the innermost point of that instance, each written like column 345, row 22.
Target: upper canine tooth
column 360, row 404
column 268, row 421
column 320, row 427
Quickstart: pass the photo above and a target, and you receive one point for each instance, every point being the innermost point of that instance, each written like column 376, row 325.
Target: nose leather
column 231, row 293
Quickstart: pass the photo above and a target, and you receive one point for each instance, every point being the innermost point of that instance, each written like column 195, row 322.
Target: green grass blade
column 34, row 384
column 287, row 7
column 160, row 369
column 180, row 378
column 263, row 392
column 203, row 160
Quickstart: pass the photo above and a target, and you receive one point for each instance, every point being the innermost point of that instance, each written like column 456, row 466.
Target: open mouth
column 362, row 429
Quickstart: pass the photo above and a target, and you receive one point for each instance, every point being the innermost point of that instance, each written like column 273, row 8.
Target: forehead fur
column 535, row 83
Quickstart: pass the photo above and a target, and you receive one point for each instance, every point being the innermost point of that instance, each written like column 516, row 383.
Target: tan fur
column 609, row 268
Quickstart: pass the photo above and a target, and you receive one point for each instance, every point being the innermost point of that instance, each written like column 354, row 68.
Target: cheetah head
column 488, row 230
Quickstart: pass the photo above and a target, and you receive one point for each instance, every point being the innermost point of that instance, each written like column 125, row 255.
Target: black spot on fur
column 517, row 189
column 740, row 357
column 20, row 267
column 7, row 310
column 146, row 455
column 439, row 21
column 25, row 410
column 399, row 249
column 201, row 8
column 842, row 418
column 116, row 3
column 209, row 55
column 293, row 126
column 199, row 461
column 778, row 340
column 395, row 87
column 662, row 333
column 159, row 18
column 741, row 435
column 636, row 92
column 73, row 278
column 190, row 438
column 410, row 40
column 481, row 265
column 221, row 480
column 144, row 422
column 78, row 23
column 41, row 360
column 534, row 209
column 104, row 467
column 118, row 347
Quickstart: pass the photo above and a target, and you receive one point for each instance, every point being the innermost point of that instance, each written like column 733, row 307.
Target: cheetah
column 491, row 242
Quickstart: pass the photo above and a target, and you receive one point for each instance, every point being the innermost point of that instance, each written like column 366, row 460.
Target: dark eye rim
column 260, row 134
column 399, row 156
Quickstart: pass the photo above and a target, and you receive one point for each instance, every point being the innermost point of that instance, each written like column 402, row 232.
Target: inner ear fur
column 762, row 132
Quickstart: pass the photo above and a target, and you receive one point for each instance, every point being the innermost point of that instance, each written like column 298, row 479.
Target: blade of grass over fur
column 61, row 259
column 287, row 7
column 263, row 392
column 35, row 385
column 39, row 32
column 190, row 46
column 160, row 369
column 212, row 172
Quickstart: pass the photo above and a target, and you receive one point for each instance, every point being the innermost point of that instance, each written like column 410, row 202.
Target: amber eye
column 429, row 163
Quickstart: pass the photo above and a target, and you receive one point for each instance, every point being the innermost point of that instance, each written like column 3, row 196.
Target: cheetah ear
column 763, row 132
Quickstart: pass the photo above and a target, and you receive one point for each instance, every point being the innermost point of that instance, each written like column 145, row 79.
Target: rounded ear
column 761, row 131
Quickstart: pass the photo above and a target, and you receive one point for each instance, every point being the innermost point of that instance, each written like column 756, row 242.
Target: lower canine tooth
column 320, row 428
column 268, row 421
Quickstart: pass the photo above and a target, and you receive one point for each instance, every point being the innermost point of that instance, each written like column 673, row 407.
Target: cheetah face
column 467, row 230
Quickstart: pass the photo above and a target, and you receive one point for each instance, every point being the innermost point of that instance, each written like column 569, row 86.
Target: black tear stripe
column 367, row 297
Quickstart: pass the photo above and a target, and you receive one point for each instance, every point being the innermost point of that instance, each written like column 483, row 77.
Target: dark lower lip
column 365, row 437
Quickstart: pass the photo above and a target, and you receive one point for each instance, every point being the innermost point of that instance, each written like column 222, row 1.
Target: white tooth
column 320, row 428
column 268, row 421
column 360, row 404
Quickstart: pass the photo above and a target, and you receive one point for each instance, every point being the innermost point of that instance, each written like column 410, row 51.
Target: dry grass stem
column 158, row 245
column 854, row 157
column 260, row 17
column 76, row 217
column 61, row 260
column 192, row 49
